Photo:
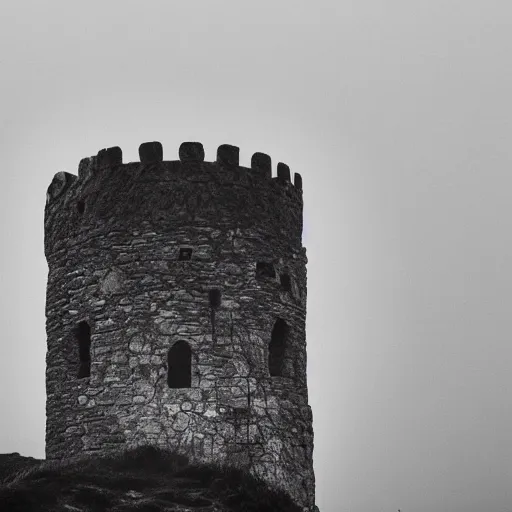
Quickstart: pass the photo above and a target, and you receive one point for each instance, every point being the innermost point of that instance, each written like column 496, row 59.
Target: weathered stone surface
column 228, row 155
column 117, row 266
column 191, row 152
column 283, row 172
column 61, row 181
column 297, row 181
column 151, row 152
column 86, row 168
column 112, row 283
column 263, row 163
column 110, row 156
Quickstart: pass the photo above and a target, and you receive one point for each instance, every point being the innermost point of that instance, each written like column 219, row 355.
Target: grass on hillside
column 144, row 479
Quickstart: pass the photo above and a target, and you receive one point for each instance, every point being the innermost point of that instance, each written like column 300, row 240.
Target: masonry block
column 191, row 152
column 151, row 152
column 109, row 157
column 228, row 155
column 262, row 162
column 297, row 181
column 283, row 172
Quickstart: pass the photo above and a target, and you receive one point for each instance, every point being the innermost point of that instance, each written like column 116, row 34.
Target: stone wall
column 113, row 237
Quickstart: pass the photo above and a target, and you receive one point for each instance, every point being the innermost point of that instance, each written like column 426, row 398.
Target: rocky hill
column 144, row 480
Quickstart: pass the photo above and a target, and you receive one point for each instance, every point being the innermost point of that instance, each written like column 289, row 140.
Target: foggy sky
column 397, row 114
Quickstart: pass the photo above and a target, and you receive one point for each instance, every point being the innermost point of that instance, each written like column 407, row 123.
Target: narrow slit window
column 265, row 269
column 83, row 336
column 286, row 282
column 277, row 348
column 179, row 365
column 185, row 254
column 80, row 206
column 214, row 297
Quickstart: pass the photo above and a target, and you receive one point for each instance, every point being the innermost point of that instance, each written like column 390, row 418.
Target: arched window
column 286, row 282
column 264, row 269
column 277, row 348
column 179, row 365
column 185, row 254
column 83, row 336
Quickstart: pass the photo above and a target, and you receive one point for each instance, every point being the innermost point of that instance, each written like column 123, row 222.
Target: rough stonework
column 176, row 309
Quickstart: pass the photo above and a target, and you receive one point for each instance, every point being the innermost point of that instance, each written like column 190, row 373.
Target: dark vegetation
column 144, row 479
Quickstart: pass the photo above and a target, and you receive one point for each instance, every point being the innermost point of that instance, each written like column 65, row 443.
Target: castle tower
column 176, row 310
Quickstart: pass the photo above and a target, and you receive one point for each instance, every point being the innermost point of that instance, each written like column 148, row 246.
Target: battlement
column 187, row 190
column 227, row 155
column 152, row 152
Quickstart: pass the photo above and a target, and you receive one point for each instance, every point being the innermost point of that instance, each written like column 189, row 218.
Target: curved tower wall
column 113, row 239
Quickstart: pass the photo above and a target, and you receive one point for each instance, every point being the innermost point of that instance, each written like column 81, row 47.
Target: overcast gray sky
column 398, row 115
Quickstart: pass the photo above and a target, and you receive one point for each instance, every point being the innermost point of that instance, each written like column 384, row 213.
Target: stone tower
column 176, row 311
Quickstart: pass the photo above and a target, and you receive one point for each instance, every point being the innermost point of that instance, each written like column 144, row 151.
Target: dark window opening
column 80, row 206
column 83, row 336
column 277, row 348
column 240, row 411
column 214, row 297
column 286, row 282
column 240, row 415
column 179, row 365
column 185, row 254
column 264, row 269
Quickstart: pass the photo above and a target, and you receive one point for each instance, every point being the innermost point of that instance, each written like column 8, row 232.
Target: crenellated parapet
column 188, row 190
column 152, row 152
